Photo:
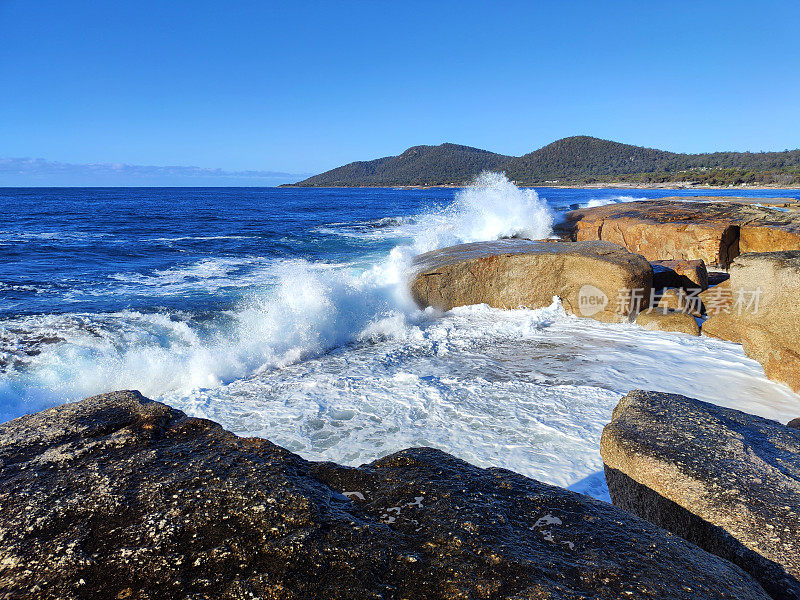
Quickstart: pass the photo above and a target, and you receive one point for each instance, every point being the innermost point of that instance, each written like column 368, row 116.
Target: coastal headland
column 578, row 161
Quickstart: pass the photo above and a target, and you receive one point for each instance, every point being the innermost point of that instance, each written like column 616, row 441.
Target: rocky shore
column 715, row 232
column 118, row 496
column 769, row 332
column 602, row 261
column 514, row 273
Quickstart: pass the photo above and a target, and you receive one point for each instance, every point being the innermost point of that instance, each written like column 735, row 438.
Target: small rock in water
column 665, row 319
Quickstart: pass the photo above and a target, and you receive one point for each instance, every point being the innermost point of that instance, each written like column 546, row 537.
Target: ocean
column 283, row 313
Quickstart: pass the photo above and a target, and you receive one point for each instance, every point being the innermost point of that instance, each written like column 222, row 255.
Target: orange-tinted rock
column 725, row 326
column 717, row 299
column 769, row 236
column 513, row 273
column 764, row 313
column 666, row 319
column 716, row 232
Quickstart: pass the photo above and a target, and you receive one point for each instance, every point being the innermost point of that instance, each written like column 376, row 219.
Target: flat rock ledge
column 588, row 277
column 687, row 229
column 722, row 479
column 120, row 497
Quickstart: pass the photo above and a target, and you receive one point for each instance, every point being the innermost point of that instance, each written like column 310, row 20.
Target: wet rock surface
column 725, row 480
column 120, row 497
column 716, row 232
column 514, row 273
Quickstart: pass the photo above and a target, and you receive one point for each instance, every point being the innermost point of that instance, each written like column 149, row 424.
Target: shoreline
column 587, row 186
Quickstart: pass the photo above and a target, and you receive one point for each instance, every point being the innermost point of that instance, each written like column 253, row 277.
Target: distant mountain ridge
column 572, row 160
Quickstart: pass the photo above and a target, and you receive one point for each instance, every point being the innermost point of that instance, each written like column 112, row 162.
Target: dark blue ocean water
column 71, row 249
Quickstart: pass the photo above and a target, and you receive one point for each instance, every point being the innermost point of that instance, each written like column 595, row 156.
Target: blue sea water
column 283, row 313
column 200, row 249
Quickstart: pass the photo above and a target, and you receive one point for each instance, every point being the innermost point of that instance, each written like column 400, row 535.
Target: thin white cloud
column 41, row 172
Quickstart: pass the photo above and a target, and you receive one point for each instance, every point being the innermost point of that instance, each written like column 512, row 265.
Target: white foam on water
column 528, row 390
column 491, row 208
column 594, row 202
column 207, row 275
column 374, row 229
column 20, row 287
column 302, row 309
column 335, row 362
column 56, row 236
column 199, row 238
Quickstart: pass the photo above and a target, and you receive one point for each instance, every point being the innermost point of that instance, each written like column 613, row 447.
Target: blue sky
column 301, row 87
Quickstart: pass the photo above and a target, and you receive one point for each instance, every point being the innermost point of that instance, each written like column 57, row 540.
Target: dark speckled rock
column 723, row 479
column 120, row 497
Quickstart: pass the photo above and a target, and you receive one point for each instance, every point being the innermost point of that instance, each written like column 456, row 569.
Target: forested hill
column 420, row 165
column 576, row 160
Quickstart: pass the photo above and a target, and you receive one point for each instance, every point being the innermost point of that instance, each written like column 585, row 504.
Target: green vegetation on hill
column 573, row 160
column 420, row 165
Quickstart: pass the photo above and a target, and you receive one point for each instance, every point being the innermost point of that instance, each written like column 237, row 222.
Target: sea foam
column 302, row 309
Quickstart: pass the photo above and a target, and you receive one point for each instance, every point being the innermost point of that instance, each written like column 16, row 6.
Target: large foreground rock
column 716, row 232
column 593, row 279
column 119, row 497
column 764, row 313
column 723, row 479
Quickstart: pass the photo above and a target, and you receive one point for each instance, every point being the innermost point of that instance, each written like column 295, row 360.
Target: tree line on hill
column 573, row 160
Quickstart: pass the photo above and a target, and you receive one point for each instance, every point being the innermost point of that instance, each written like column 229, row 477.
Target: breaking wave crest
column 305, row 309
column 491, row 208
